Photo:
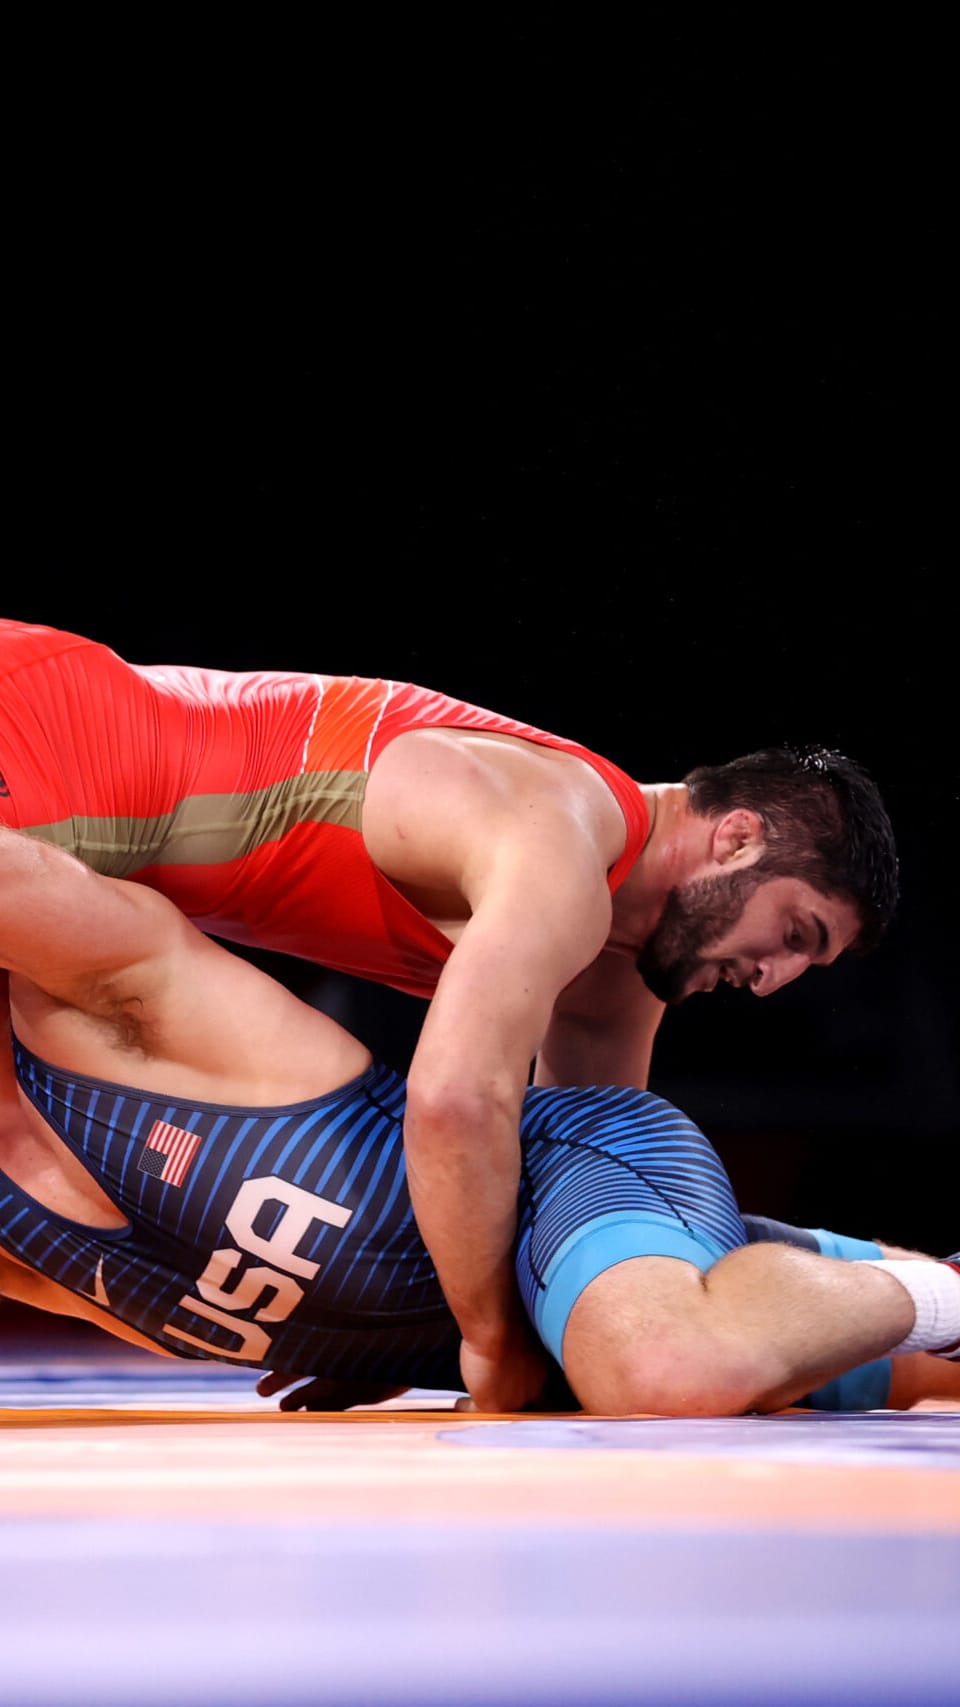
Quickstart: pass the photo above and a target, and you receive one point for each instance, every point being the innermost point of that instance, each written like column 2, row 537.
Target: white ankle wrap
column 934, row 1288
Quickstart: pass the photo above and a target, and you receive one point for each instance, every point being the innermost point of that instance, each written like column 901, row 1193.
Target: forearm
column 463, row 1181
column 581, row 1056
column 602, row 1032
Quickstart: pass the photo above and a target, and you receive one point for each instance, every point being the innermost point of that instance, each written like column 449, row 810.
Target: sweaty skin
column 500, row 812
column 112, row 989
column 390, row 831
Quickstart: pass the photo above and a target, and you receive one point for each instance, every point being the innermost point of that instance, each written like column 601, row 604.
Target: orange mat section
column 368, row 1467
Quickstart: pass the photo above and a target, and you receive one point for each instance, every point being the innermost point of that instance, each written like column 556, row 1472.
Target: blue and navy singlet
column 284, row 1238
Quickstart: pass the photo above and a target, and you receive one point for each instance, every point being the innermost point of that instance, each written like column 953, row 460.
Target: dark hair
column 824, row 821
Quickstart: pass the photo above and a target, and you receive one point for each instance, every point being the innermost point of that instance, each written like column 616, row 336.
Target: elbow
column 457, row 1109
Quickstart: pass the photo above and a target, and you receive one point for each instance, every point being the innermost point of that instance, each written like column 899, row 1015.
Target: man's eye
column 795, row 939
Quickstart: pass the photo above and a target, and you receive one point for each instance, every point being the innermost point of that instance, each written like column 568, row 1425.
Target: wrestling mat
column 170, row 1538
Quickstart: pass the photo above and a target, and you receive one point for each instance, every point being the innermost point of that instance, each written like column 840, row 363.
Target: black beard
column 693, row 917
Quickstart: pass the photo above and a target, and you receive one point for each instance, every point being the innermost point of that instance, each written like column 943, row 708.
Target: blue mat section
column 102, row 1615
column 917, row 1441
column 146, row 1382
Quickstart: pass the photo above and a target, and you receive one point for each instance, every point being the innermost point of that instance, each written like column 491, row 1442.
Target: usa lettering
column 269, row 1288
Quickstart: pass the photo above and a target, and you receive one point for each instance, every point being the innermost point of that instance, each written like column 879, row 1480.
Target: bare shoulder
column 479, row 756
column 436, row 794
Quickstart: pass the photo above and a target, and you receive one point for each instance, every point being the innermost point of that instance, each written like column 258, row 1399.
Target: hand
column 557, row 1397
column 512, row 1379
column 320, row 1394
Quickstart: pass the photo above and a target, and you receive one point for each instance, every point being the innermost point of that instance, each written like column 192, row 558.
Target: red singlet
column 237, row 793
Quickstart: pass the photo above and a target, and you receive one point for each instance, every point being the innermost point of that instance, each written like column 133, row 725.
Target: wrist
column 494, row 1336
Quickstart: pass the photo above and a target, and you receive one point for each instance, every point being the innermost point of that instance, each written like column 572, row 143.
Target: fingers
column 298, row 1399
column 273, row 1383
column 317, row 1393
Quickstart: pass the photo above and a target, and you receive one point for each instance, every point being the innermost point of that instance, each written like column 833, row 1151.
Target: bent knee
column 673, row 1378
column 642, row 1339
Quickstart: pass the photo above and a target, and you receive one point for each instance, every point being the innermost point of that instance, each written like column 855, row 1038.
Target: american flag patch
column 168, row 1152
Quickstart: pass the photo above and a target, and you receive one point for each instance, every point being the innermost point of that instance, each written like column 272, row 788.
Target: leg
column 918, row 1376
column 634, row 1264
column 760, row 1229
column 894, row 1383
column 757, row 1331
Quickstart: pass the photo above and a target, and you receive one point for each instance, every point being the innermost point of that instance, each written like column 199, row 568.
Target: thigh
column 647, row 1304
column 608, row 1177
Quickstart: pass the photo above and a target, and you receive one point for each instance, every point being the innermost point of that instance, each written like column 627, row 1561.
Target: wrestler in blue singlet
column 284, row 1238
column 288, row 1241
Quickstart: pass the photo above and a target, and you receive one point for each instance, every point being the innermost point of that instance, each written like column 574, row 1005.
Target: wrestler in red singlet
column 238, row 794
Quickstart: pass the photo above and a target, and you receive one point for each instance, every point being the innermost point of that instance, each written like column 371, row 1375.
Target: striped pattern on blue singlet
column 608, row 1175
column 289, row 1241
column 245, row 1260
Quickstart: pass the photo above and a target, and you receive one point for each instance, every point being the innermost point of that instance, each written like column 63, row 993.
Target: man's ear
column 737, row 838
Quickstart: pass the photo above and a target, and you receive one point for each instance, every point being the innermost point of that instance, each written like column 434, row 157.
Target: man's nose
column 772, row 974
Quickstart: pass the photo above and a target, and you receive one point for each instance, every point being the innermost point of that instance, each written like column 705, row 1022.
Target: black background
column 590, row 364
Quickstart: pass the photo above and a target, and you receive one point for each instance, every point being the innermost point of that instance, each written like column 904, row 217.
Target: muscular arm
column 123, row 955
column 65, row 927
column 461, row 1137
column 522, row 847
column 74, row 941
column 602, row 1029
